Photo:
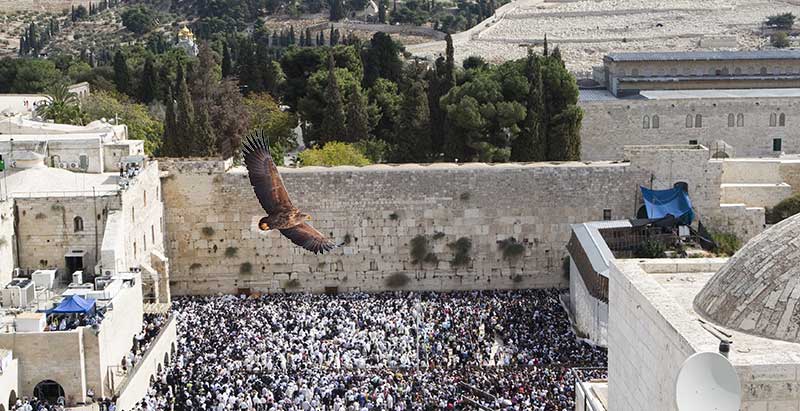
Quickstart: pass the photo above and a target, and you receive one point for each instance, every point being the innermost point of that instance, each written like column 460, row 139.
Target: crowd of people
column 141, row 341
column 509, row 350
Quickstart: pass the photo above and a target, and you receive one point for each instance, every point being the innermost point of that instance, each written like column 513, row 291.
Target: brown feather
column 309, row 238
column 264, row 176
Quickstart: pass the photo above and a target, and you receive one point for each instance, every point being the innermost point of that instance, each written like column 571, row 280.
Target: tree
column 266, row 114
column 170, row 141
column 333, row 124
column 385, row 97
column 357, row 116
column 382, row 59
column 382, row 11
column 413, row 135
column 122, row 77
column 184, row 115
column 530, row 145
column 79, row 13
column 206, row 144
column 148, row 85
column 139, row 20
column 334, row 153
column 140, row 123
column 61, row 106
column 337, row 10
column 473, row 62
column 27, row 75
column 780, row 40
column 565, row 140
column 227, row 64
column 783, row 21
column 450, row 65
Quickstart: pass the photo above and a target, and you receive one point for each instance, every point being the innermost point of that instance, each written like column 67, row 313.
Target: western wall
column 214, row 245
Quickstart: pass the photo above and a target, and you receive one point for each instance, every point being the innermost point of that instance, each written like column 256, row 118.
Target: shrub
column 421, row 251
column 650, row 249
column 245, row 268
column 375, row 150
column 464, row 196
column 783, row 210
column 231, row 252
column 727, row 244
column 517, row 278
column 347, row 239
column 397, row 280
column 783, row 21
column 334, row 153
column 779, row 40
column 195, row 266
column 139, row 20
column 394, row 216
column 461, row 252
column 511, row 248
column 40, row 216
column 208, row 231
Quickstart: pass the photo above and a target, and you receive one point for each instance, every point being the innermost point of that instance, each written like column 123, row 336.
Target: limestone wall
column 135, row 387
column 610, row 125
column 214, row 245
column 7, row 240
column 590, row 314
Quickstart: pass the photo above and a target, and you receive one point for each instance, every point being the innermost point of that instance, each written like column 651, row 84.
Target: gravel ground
column 587, row 30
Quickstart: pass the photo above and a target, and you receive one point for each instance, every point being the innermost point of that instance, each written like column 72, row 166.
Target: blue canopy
column 74, row 304
column 672, row 202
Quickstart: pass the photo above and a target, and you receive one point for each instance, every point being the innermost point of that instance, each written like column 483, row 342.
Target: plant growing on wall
column 56, row 207
column 40, row 216
column 246, row 268
column 438, row 235
column 511, row 248
column 195, row 266
column 650, row 249
column 347, row 239
column 291, row 284
column 516, row 279
column 231, row 252
column 461, row 249
column 421, row 251
column 3, row 241
column 208, row 231
column 397, row 280
column 394, row 216
column 726, row 244
column 464, row 196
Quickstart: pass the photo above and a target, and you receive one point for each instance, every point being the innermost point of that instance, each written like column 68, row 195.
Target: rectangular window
column 777, row 144
column 607, row 214
column 693, row 142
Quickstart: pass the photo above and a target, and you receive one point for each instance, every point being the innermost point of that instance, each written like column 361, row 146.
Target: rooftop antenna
column 708, row 382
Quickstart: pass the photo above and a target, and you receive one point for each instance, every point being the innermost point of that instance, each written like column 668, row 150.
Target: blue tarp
column 74, row 304
column 673, row 202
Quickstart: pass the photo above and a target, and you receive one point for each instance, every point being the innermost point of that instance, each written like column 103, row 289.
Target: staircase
column 753, row 183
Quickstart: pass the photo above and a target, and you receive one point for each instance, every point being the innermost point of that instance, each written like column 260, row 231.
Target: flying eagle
column 281, row 214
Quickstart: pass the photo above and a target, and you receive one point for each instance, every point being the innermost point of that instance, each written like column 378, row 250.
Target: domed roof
column 757, row 291
column 185, row 33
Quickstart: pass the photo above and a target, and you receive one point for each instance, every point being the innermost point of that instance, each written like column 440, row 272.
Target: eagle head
column 262, row 224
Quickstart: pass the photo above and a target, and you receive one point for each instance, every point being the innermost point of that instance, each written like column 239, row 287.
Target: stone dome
column 757, row 291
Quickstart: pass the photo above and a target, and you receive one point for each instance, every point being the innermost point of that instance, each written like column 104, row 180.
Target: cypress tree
column 413, row 134
column 337, row 10
column 450, row 65
column 170, row 137
column 333, row 123
column 227, row 64
column 321, row 38
column 556, row 55
column 530, row 144
column 332, row 36
column 308, row 38
column 335, row 36
column 382, row 11
column 302, row 39
column 184, row 111
column 564, row 135
column 148, row 85
column 545, row 52
column 205, row 141
column 357, row 117
column 290, row 39
column 122, row 77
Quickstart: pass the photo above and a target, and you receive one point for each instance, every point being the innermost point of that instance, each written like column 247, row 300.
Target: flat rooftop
column 605, row 95
column 673, row 293
column 705, row 55
column 56, row 182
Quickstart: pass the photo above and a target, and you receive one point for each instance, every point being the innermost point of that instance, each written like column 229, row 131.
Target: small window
column 153, row 234
column 777, row 144
column 646, row 122
column 78, row 224
column 773, row 120
column 144, row 194
column 134, row 249
column 740, row 120
column 782, row 120
column 144, row 241
column 607, row 214
column 737, row 71
column 656, row 121
column 731, row 120
column 692, row 142
column 689, row 121
column 763, row 71
column 133, row 214
column 698, row 121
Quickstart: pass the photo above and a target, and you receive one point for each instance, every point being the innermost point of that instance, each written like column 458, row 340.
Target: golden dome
column 185, row 33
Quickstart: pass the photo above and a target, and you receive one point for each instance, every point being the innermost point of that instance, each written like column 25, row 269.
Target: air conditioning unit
column 19, row 293
column 73, row 165
column 13, row 164
column 63, row 165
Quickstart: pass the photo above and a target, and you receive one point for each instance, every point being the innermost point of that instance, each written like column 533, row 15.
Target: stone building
column 739, row 104
column 664, row 310
column 186, row 42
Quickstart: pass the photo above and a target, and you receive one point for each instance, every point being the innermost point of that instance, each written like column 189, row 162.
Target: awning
column 74, row 304
column 672, row 202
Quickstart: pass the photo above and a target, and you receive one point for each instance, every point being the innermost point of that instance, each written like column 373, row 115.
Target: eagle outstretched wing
column 263, row 173
column 309, row 238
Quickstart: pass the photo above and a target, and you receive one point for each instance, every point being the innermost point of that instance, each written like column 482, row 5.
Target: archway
column 49, row 391
column 12, row 399
column 166, row 359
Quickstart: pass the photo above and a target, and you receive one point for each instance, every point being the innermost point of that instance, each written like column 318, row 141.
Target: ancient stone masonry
column 214, row 245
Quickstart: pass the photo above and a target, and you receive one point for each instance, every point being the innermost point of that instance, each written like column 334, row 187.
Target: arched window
column 737, row 71
column 144, row 195
column 763, row 71
column 646, row 121
column 725, row 71
column 782, row 120
column 740, row 120
column 698, row 121
column 689, row 121
column 77, row 223
column 731, row 120
column 773, row 120
column 655, row 121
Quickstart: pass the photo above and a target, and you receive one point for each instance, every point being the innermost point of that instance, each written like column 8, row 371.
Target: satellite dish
column 707, row 381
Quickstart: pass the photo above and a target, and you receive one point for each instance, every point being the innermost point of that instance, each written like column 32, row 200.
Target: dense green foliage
column 727, row 244
column 783, row 21
column 334, row 153
column 61, row 105
column 141, row 124
column 651, row 249
column 779, row 40
column 783, row 210
column 139, row 19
